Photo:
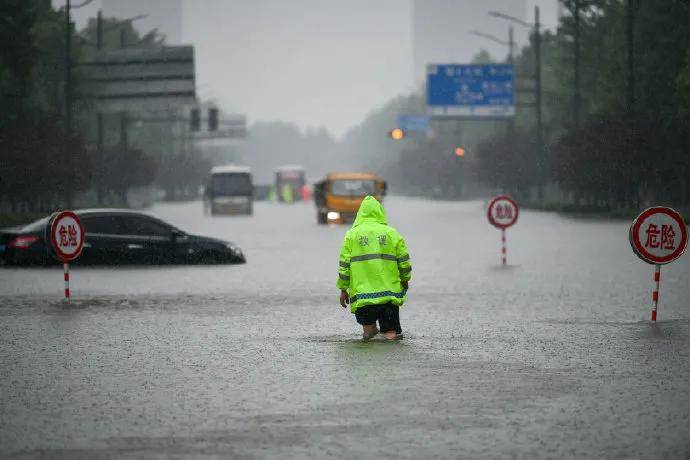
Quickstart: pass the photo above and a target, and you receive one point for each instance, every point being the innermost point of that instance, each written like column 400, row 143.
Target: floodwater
column 551, row 357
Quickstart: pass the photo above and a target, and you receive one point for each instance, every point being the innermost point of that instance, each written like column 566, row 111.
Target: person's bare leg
column 369, row 331
column 390, row 335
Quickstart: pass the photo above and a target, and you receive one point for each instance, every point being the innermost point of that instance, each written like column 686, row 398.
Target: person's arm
column 404, row 264
column 344, row 272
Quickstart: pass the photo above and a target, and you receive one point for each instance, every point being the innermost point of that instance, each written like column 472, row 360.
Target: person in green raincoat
column 287, row 193
column 374, row 271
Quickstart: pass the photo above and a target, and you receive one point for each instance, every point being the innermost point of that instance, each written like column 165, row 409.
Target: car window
column 353, row 187
column 104, row 225
column 144, row 226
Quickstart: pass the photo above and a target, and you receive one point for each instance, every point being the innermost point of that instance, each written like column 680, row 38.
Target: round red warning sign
column 503, row 211
column 67, row 236
column 658, row 235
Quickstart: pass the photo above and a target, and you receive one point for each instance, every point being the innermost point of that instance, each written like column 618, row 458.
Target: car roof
column 228, row 169
column 113, row 212
column 352, row 175
column 290, row 168
column 85, row 211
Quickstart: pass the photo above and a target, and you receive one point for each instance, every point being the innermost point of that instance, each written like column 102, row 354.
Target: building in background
column 163, row 15
column 440, row 29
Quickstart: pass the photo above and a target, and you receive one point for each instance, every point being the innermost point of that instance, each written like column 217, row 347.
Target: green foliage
column 39, row 171
column 17, row 58
column 482, row 57
column 126, row 168
column 683, row 92
column 41, row 166
column 37, row 158
column 618, row 162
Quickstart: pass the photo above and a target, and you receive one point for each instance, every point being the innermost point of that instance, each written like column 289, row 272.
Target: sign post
column 414, row 123
column 67, row 238
column 658, row 236
column 502, row 213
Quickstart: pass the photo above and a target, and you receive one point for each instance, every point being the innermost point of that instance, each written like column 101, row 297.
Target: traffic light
column 212, row 119
column 397, row 134
column 194, row 120
column 459, row 152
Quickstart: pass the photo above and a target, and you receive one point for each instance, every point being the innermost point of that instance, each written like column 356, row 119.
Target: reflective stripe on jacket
column 373, row 259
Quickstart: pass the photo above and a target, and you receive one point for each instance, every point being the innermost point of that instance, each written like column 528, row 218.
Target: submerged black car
column 117, row 237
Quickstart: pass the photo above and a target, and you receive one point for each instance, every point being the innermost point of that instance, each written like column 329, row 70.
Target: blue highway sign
column 470, row 90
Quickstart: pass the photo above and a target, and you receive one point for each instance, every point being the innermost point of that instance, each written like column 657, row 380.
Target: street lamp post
column 511, row 45
column 576, row 63
column 68, row 62
column 537, row 83
column 68, row 79
column 541, row 163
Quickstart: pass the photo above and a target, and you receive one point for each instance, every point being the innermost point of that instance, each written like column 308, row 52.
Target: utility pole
column 537, row 83
column 69, row 193
column 99, row 31
column 99, row 118
column 540, row 160
column 576, row 60
column 631, row 58
column 511, row 44
column 68, row 70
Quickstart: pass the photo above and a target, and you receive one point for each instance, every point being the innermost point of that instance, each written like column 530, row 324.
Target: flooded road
column 553, row 356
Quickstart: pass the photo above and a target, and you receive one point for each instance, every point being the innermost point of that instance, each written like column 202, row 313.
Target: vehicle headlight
column 234, row 249
column 333, row 215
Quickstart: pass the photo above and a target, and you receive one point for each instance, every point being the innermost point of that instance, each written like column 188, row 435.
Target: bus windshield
column 353, row 187
column 231, row 184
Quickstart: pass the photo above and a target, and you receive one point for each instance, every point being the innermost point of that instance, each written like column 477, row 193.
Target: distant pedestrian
column 374, row 271
column 306, row 192
column 287, row 193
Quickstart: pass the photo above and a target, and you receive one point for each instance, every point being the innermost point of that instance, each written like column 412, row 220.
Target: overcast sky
column 312, row 62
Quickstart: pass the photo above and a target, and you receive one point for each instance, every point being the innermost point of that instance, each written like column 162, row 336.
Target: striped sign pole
column 504, row 251
column 658, row 236
column 655, row 293
column 66, row 269
column 67, row 239
column 502, row 213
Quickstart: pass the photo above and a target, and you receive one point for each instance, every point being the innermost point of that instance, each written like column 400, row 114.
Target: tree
column 615, row 162
column 509, row 162
column 40, row 171
column 126, row 168
column 182, row 174
column 483, row 57
column 38, row 160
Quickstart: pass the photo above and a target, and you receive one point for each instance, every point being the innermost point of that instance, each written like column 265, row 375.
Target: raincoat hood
column 370, row 211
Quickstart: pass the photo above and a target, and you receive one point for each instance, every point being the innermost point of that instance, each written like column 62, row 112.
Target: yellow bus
column 339, row 195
